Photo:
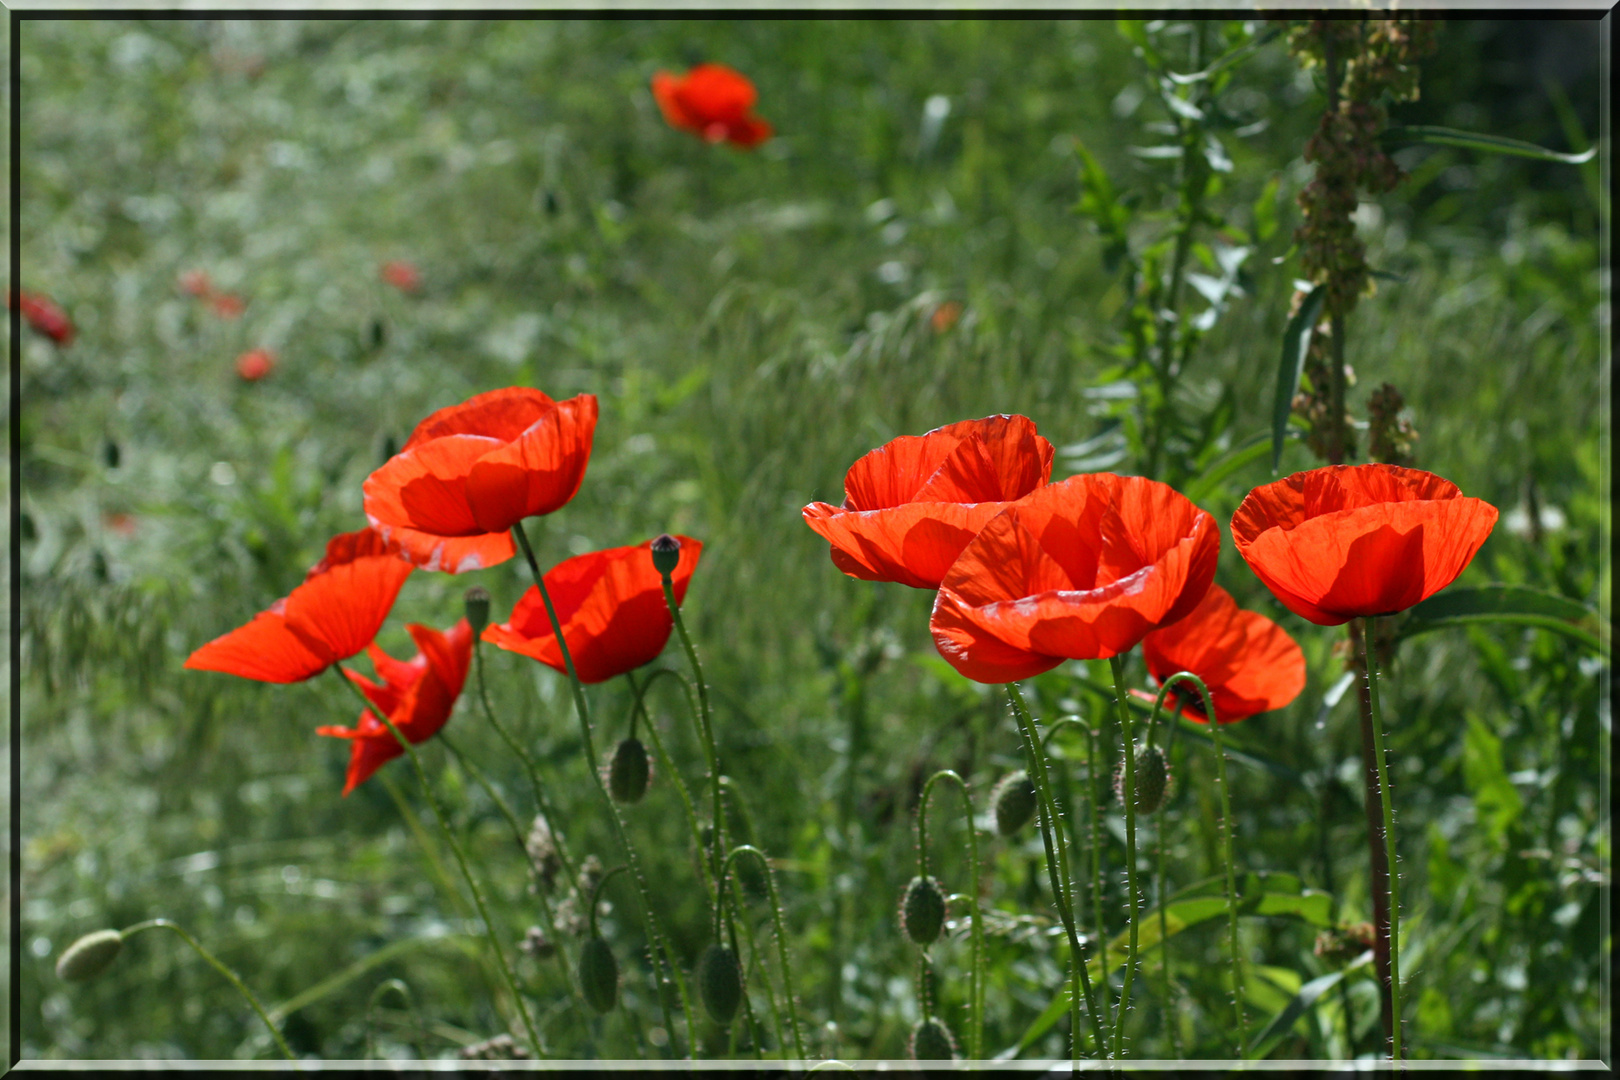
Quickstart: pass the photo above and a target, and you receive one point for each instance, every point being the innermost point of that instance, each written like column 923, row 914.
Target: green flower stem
column 1057, row 870
column 1226, row 842
column 667, row 764
column 705, row 729
column 214, row 962
column 976, row 983
column 1093, row 800
column 596, row 894
column 781, row 939
column 399, row 987
column 461, row 861
column 770, row 994
column 1368, row 658
column 660, row 945
column 1134, row 901
column 541, row 803
column 1159, row 891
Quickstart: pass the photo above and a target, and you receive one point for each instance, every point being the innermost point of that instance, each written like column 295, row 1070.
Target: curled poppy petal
column 1249, row 663
column 1346, row 541
column 711, row 101
column 611, row 607
column 913, row 504
column 1082, row 569
column 333, row 615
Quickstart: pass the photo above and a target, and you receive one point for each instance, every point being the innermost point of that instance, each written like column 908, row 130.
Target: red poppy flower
column 1356, row 540
column 196, row 283
column 912, row 505
column 470, row 472
column 333, row 615
column 1079, row 570
column 44, row 316
column 227, row 305
column 401, row 275
column 416, row 695
column 255, row 364
column 712, row 101
column 611, row 606
column 1248, row 662
column 945, row 316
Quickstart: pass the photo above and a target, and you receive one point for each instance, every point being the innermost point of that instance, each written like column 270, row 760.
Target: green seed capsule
column 666, row 554
column 1014, row 802
column 720, row 983
column 477, row 606
column 628, row 772
column 89, row 956
column 1152, row 780
column 922, row 911
column 931, row 1041
column 599, row 975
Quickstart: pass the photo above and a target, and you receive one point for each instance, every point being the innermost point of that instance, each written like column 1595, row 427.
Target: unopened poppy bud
column 89, row 956
column 720, row 983
column 922, row 911
column 1014, row 802
column 110, row 454
column 477, row 601
column 1152, row 780
column 599, row 975
column 666, row 554
column 931, row 1041
column 628, row 772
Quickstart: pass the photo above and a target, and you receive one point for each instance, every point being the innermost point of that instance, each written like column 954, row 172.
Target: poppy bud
column 922, row 911
column 931, row 1041
column 110, row 454
column 720, row 983
column 477, row 601
column 628, row 772
column 1152, row 780
column 1014, row 802
column 599, row 975
column 666, row 554
column 89, row 956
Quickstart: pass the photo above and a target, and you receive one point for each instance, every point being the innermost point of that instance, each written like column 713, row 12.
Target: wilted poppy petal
column 497, row 414
column 536, row 473
column 424, row 488
column 1249, row 664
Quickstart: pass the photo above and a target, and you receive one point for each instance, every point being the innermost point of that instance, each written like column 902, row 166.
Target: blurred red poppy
column 196, row 283
column 1248, row 662
column 469, row 472
column 255, row 364
column 333, row 615
column 1079, row 570
column 42, row 313
column 611, row 607
column 1358, row 540
column 122, row 524
column 227, row 305
column 401, row 275
column 912, row 505
column 712, row 101
column 945, row 316
column 417, row 696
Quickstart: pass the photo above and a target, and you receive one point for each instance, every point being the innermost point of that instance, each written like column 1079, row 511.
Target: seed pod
column 628, row 771
column 599, row 975
column 1014, row 802
column 89, row 956
column 931, row 1041
column 110, row 455
column 477, row 602
column 720, row 983
column 1152, row 780
column 666, row 554
column 922, row 911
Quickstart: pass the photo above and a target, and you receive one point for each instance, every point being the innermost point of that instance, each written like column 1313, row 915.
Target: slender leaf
column 1516, row 604
column 1231, row 57
column 1249, row 450
column 1301, row 1003
column 1296, row 340
column 1491, row 144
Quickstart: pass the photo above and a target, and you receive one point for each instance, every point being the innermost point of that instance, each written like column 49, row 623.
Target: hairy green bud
column 922, row 911
column 1152, row 780
column 931, row 1041
column 599, row 975
column 628, row 772
column 720, row 983
column 1014, row 802
column 89, row 956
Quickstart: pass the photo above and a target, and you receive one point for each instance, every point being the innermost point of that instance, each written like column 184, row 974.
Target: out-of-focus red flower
column 945, row 316
column 255, row 364
column 713, row 102
column 227, row 305
column 611, row 607
column 1079, row 570
column 401, row 275
column 1358, row 540
column 912, row 505
column 196, row 283
column 469, row 472
column 417, row 696
column 334, row 614
column 122, row 524
column 43, row 314
column 1248, row 662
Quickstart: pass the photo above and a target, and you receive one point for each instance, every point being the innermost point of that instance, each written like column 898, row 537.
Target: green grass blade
column 1490, row 144
column 1515, row 604
column 1296, row 340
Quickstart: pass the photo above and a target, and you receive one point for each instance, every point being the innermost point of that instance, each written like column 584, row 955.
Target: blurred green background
column 752, row 323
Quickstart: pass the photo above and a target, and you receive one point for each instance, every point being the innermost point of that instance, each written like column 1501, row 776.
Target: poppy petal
column 913, row 544
column 664, row 88
column 716, row 94
column 452, row 554
column 538, row 472
column 498, row 414
column 1249, row 664
column 425, row 488
column 264, row 650
column 341, row 610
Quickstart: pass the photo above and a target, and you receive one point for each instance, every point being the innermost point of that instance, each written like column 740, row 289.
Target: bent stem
column 461, row 861
column 404, row 991
column 705, row 730
column 1057, row 871
column 660, row 947
column 781, row 939
column 976, row 981
column 1133, row 901
column 666, row 763
column 165, row 924
column 1359, row 632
